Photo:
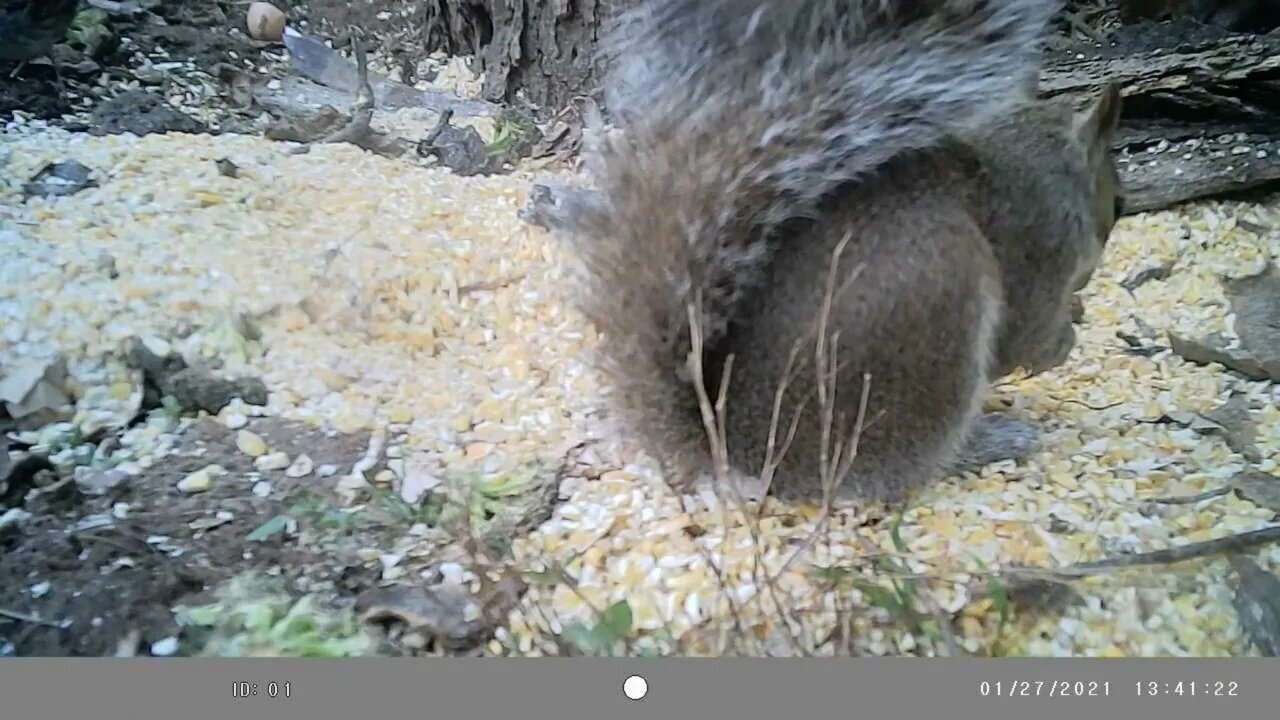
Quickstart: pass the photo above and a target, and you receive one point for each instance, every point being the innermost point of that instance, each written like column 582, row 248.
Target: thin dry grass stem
column 715, row 425
column 773, row 455
column 944, row 627
column 843, row 450
column 739, row 625
column 713, row 422
column 827, row 371
column 772, row 458
column 846, row 633
column 836, row 456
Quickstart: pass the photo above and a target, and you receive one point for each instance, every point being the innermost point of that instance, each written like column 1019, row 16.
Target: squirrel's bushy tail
column 739, row 115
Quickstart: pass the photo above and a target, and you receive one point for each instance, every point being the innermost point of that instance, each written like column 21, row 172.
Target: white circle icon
column 635, row 687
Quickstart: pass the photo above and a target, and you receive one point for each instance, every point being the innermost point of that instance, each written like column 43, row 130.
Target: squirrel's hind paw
column 995, row 438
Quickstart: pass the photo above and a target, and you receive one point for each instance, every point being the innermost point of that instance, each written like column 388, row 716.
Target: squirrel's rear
column 743, row 122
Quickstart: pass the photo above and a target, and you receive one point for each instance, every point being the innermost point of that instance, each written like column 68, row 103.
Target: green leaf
column 307, row 503
column 834, row 573
column 395, row 506
column 335, row 519
column 582, row 637
column 906, row 591
column 885, row 565
column 895, row 534
column 298, row 622
column 201, row 616
column 502, row 486
column 617, row 618
column 880, row 597
column 257, row 617
column 543, row 577
column 271, row 528
column 1000, row 597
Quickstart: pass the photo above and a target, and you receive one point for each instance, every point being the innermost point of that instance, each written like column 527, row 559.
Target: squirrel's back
column 745, row 123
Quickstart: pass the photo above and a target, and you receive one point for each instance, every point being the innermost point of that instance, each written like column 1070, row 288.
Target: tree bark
column 540, row 50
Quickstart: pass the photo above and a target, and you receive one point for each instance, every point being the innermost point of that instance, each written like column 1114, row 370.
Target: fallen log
column 1202, row 107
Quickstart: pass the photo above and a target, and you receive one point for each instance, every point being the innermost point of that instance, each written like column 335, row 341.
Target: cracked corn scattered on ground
column 398, row 297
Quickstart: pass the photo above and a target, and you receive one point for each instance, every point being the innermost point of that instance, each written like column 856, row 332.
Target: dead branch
column 1192, row 551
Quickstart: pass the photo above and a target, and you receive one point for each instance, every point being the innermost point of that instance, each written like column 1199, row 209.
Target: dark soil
column 177, row 30
column 68, row 588
column 205, row 32
column 140, row 113
column 33, row 91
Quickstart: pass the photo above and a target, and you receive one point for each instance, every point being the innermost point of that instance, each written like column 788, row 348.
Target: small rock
column 106, row 265
column 165, row 647
column 158, row 347
column 95, row 482
column 1257, row 603
column 352, row 482
column 617, row 476
column 440, row 614
column 197, row 388
column 265, row 21
column 40, row 589
column 35, row 392
column 478, row 451
column 272, row 461
column 156, row 367
column 120, row 510
column 197, row 482
column 417, row 484
column 1258, row 487
column 327, row 470
column 92, row 522
column 262, row 489
column 251, row 444
column 452, row 573
column 349, row 423
column 60, row 179
column 301, row 467
column 398, row 467
column 12, row 520
column 226, row 168
column 1211, row 350
column 235, row 421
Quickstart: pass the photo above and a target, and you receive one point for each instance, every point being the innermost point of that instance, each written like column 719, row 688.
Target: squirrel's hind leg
column 917, row 323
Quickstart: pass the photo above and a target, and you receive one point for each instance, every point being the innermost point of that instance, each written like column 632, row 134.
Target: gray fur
column 759, row 133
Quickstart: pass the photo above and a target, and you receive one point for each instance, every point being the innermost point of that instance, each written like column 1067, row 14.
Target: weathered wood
column 1232, row 59
column 1202, row 109
column 1140, row 133
column 541, row 50
column 1178, row 172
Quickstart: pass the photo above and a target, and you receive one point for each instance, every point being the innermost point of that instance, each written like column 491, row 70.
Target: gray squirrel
column 758, row 137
